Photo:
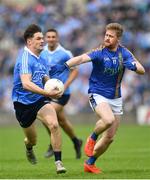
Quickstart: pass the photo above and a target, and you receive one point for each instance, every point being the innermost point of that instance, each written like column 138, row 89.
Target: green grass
column 128, row 157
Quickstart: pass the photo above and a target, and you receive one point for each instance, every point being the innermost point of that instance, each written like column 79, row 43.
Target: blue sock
column 91, row 160
column 94, row 136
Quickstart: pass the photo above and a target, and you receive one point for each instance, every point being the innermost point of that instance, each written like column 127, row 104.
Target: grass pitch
column 128, row 157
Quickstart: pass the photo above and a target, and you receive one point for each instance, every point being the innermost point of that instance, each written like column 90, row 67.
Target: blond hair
column 116, row 27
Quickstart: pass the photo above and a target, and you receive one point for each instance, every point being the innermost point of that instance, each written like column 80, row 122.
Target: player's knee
column 109, row 121
column 53, row 126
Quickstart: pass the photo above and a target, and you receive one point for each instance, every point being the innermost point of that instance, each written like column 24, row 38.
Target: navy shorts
column 63, row 100
column 26, row 114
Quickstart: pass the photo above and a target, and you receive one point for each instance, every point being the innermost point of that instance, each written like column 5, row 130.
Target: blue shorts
column 26, row 114
column 63, row 100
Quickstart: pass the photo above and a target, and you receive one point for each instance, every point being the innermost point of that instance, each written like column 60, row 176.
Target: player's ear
column 29, row 41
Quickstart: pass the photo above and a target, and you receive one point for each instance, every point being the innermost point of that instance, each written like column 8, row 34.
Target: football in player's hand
column 52, row 84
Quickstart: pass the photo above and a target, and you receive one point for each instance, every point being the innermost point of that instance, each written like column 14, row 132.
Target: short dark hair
column 30, row 31
column 52, row 30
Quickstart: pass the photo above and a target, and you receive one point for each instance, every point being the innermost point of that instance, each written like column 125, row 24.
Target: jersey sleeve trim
column 24, row 63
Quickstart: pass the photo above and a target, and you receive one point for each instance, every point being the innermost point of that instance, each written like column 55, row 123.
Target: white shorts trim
column 115, row 104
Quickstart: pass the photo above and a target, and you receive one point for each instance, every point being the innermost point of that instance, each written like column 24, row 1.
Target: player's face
column 36, row 43
column 52, row 39
column 111, row 40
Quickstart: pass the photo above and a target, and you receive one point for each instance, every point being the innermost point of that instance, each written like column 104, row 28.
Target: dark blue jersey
column 108, row 70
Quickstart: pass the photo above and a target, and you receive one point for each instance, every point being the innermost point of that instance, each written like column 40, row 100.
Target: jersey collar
column 57, row 49
column 27, row 49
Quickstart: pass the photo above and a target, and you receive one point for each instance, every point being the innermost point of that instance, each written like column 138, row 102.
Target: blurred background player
column 109, row 63
column 30, row 99
column 54, row 53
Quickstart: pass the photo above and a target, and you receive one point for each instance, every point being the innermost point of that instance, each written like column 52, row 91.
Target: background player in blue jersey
column 109, row 63
column 54, row 53
column 30, row 99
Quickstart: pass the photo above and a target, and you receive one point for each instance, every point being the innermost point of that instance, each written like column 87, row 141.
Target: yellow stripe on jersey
column 96, row 49
column 120, row 75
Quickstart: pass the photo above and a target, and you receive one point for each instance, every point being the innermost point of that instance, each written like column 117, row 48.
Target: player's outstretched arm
column 78, row 60
column 58, row 69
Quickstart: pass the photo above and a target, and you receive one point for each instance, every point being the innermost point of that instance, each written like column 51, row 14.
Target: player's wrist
column 45, row 93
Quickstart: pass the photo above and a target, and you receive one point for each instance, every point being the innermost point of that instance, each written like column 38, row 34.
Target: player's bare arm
column 78, row 60
column 30, row 86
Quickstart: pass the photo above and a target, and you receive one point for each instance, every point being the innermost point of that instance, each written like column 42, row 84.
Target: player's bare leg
column 107, row 138
column 107, row 118
column 49, row 153
column 68, row 128
column 101, row 146
column 48, row 116
column 30, row 141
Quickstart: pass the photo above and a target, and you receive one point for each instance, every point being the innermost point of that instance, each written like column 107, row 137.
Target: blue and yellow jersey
column 108, row 70
column 28, row 63
column 59, row 56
